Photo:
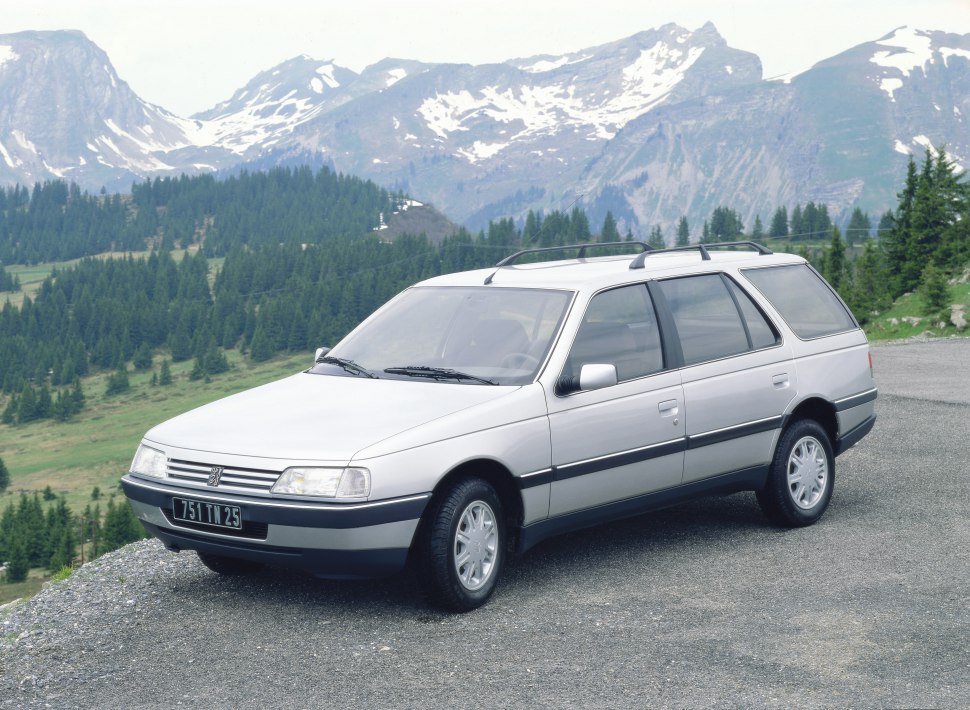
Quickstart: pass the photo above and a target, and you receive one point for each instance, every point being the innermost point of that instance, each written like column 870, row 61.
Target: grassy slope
column 96, row 447
column 911, row 306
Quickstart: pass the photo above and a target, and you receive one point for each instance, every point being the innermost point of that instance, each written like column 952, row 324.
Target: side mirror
column 596, row 376
column 320, row 353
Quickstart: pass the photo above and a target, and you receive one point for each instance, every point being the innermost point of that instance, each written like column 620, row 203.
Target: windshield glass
column 437, row 334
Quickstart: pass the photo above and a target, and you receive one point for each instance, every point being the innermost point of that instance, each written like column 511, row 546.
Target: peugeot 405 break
column 477, row 413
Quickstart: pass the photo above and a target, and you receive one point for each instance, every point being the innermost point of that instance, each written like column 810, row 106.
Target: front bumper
column 359, row 540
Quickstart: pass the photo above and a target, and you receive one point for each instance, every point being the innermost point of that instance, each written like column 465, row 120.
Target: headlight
column 149, row 462
column 324, row 482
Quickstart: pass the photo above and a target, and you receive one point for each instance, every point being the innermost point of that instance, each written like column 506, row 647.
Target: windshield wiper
column 348, row 365
column 436, row 373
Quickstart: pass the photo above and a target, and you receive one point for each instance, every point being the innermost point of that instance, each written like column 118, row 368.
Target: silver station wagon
column 478, row 413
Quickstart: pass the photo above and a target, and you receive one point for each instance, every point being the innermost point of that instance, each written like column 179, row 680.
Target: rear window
column 803, row 299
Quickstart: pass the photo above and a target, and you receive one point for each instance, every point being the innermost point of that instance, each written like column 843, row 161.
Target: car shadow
column 604, row 549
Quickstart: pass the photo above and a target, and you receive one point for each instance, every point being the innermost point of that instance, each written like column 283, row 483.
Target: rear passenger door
column 738, row 375
column 620, row 441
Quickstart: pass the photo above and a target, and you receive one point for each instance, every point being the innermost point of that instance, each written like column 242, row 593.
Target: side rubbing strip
column 536, row 478
column 581, row 468
column 855, row 400
column 734, row 432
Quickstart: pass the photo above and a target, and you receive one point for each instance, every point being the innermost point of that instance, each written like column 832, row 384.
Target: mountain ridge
column 663, row 123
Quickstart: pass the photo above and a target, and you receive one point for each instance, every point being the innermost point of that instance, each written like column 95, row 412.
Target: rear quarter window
column 803, row 298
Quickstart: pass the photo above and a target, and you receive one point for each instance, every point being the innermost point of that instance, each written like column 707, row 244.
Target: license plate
column 203, row 513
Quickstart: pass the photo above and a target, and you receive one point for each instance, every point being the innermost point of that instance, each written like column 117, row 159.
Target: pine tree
column 18, row 564
column 860, row 227
column 870, row 291
column 934, row 290
column 4, row 477
column 758, row 230
column 120, row 527
column 683, row 232
column 609, row 232
column 656, row 239
column 779, row 223
column 143, row 357
column 165, row 374
column 117, row 382
column 835, row 263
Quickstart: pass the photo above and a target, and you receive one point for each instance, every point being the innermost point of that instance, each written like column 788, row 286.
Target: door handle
column 668, row 408
column 780, row 381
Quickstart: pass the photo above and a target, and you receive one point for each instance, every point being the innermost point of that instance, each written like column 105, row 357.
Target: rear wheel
column 228, row 566
column 460, row 554
column 801, row 478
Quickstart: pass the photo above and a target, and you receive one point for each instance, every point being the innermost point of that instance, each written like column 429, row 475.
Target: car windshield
column 465, row 335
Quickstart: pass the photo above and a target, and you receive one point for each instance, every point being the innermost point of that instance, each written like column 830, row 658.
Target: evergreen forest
column 300, row 263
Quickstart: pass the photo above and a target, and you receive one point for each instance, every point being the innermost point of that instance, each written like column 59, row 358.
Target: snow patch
column 481, row 151
column 783, row 78
column 394, row 76
column 911, row 50
column 326, row 72
column 890, row 86
column 316, row 84
column 377, row 161
column 24, row 142
column 901, row 147
column 947, row 52
column 544, row 65
column 12, row 162
column 728, row 68
column 926, row 143
column 7, row 54
column 397, row 124
column 546, row 110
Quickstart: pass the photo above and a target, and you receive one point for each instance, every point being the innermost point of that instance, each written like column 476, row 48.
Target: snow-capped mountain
column 665, row 123
column 65, row 113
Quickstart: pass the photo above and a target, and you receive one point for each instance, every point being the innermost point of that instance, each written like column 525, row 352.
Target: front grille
column 246, row 479
column 250, row 529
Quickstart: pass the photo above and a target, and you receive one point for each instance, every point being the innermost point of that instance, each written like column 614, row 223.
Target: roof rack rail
column 512, row 258
column 640, row 259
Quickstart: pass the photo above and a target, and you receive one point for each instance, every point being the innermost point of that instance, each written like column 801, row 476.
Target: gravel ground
column 702, row 605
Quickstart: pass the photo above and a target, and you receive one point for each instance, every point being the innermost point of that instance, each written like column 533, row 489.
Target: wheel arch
column 821, row 411
column 496, row 475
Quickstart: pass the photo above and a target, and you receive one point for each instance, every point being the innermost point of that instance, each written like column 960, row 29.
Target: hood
column 317, row 417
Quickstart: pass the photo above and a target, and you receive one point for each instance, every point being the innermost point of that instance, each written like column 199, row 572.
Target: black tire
column 801, row 477
column 228, row 566
column 465, row 520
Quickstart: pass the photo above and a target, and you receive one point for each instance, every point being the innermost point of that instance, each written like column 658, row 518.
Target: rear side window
column 803, row 299
column 708, row 322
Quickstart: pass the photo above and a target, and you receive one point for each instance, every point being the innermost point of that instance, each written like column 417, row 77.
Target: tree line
column 56, row 221
column 32, row 537
column 274, row 295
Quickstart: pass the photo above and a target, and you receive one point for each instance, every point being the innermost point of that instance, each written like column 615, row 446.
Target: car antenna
column 488, row 279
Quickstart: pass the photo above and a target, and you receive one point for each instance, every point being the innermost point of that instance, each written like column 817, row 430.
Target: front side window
column 803, row 299
column 619, row 329
column 497, row 335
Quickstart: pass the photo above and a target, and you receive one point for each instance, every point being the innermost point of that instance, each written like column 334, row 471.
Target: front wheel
column 460, row 553
column 801, row 478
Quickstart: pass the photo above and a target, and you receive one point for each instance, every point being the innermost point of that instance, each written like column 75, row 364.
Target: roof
column 600, row 272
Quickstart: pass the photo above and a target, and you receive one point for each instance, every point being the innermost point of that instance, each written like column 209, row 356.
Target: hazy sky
column 187, row 55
